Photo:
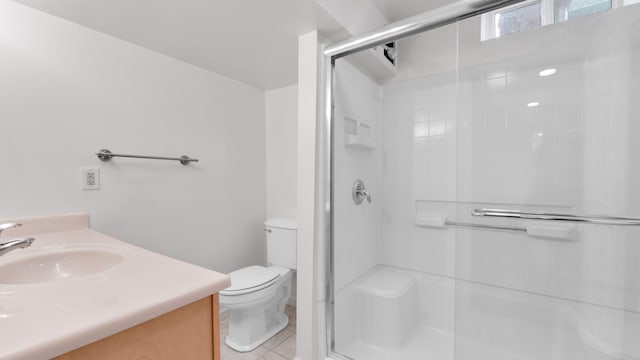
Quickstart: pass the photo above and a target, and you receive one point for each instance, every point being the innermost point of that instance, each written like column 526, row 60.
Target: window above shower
column 532, row 14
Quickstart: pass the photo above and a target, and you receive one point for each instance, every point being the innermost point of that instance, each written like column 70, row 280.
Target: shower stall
column 484, row 169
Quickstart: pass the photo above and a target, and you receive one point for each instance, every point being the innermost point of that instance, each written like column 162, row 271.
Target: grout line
column 279, row 353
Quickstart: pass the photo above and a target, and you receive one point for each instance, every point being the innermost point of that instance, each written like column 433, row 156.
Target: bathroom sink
column 55, row 264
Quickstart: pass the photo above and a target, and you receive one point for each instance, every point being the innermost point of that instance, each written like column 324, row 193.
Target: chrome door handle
column 359, row 192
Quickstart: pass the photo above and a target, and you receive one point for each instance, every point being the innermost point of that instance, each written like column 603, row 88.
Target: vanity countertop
column 43, row 320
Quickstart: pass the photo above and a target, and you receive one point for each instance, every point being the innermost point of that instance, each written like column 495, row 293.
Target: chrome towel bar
column 106, row 155
column 603, row 220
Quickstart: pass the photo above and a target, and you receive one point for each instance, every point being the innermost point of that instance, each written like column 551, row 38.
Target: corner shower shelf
column 356, row 141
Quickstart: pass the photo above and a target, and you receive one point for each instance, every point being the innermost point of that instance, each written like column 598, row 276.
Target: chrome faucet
column 20, row 243
column 15, row 244
column 359, row 192
column 6, row 226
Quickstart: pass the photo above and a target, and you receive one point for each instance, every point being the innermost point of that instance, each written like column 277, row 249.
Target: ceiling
column 396, row 10
column 252, row 41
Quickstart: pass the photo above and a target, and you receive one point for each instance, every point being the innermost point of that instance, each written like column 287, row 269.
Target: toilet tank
column 281, row 242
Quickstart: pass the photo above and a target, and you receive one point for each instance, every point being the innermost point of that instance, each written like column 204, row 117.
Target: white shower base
column 393, row 314
column 425, row 344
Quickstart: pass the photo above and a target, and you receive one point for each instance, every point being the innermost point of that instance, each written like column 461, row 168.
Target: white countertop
column 40, row 321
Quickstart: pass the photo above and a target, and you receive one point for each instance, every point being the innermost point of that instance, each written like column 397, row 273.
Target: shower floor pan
column 425, row 344
column 396, row 314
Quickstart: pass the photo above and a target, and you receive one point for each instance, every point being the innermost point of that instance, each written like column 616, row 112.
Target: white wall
column 307, row 335
column 281, row 122
column 281, row 151
column 67, row 92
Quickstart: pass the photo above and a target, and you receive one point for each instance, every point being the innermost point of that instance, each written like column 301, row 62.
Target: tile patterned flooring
column 280, row 347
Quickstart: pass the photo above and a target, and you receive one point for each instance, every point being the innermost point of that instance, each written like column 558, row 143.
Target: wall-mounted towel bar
column 603, row 220
column 106, row 155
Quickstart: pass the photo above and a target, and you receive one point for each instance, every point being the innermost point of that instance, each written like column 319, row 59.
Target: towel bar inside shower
column 517, row 214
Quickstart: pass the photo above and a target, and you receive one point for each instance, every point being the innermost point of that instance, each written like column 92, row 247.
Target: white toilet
column 258, row 295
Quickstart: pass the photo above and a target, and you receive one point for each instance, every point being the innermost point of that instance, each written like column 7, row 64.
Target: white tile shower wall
column 433, row 52
column 570, row 163
column 574, row 152
column 356, row 227
column 67, row 91
column 419, row 152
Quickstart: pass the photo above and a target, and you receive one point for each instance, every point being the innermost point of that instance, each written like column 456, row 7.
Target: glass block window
column 518, row 19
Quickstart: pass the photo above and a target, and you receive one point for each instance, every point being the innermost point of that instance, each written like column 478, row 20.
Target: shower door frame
column 326, row 69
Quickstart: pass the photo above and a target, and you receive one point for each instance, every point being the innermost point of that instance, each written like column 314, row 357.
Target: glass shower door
column 444, row 175
column 547, row 124
column 393, row 273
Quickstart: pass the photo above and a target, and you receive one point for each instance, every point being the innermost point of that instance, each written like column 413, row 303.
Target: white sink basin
column 59, row 263
column 75, row 285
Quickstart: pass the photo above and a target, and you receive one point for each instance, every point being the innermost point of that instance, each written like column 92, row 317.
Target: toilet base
column 255, row 321
column 281, row 324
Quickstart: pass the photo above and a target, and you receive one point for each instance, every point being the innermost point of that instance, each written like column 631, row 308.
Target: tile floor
column 280, row 347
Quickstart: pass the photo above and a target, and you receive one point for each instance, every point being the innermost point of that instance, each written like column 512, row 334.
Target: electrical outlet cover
column 90, row 179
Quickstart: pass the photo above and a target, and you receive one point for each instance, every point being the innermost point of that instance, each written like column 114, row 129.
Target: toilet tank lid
column 282, row 223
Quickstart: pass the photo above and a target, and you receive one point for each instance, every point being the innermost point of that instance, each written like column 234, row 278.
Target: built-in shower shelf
column 356, row 141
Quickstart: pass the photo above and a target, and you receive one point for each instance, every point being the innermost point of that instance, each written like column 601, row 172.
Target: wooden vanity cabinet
column 190, row 332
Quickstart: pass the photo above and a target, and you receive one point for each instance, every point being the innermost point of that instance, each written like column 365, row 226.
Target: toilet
column 258, row 295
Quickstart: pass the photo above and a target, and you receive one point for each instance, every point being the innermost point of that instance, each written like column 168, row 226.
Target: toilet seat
column 251, row 279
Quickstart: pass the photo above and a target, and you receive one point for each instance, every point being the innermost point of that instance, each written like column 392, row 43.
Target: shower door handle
column 359, row 192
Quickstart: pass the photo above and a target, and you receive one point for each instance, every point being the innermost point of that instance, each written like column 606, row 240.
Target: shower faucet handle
column 359, row 192
column 366, row 194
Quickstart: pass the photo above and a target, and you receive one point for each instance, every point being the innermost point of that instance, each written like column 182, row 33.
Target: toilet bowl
column 258, row 295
